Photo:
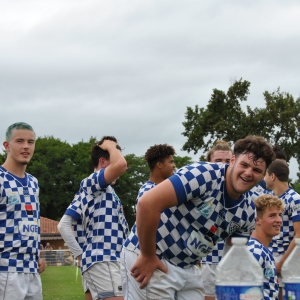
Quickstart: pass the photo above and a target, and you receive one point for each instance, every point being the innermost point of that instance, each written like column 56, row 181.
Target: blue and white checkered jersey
column 265, row 258
column 78, row 227
column 205, row 215
column 290, row 215
column 103, row 221
column 148, row 185
column 19, row 223
column 216, row 255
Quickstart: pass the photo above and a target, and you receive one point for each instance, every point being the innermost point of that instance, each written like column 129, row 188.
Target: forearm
column 65, row 229
column 147, row 221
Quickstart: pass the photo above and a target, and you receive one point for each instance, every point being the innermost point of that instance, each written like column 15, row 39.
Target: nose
column 279, row 219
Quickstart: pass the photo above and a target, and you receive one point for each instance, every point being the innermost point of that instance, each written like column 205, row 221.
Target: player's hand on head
column 144, row 267
column 108, row 144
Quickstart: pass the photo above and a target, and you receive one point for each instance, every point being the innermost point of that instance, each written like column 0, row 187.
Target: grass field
column 59, row 283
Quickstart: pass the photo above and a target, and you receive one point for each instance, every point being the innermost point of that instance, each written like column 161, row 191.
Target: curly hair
column 158, row 153
column 98, row 152
column 257, row 146
column 220, row 145
column 267, row 201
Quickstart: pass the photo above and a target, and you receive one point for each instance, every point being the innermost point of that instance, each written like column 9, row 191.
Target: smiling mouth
column 245, row 180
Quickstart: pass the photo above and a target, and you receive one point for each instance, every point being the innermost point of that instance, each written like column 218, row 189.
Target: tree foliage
column 223, row 118
column 60, row 167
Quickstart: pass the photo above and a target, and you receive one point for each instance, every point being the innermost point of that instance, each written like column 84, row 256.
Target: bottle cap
column 239, row 241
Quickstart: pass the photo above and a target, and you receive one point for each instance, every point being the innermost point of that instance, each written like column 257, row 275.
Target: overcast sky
column 76, row 69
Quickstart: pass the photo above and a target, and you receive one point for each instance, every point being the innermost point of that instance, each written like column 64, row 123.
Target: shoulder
column 32, row 178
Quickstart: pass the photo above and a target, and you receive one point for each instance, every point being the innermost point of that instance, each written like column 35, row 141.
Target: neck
column 280, row 187
column 14, row 168
column 261, row 237
column 156, row 178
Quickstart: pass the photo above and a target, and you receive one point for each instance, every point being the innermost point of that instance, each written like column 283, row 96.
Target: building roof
column 49, row 229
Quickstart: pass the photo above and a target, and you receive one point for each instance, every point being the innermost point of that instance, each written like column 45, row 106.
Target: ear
column 257, row 220
column 159, row 164
column 273, row 177
column 101, row 162
column 6, row 145
column 232, row 160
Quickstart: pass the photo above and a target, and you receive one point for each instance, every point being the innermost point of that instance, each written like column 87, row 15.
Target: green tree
column 59, row 168
column 181, row 161
column 223, row 118
column 128, row 185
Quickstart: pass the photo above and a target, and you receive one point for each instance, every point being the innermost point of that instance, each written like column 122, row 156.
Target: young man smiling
column 268, row 223
column 277, row 180
column 181, row 219
column 20, row 265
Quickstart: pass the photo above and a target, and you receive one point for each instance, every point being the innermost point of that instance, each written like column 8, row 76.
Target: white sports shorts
column 178, row 283
column 21, row 286
column 103, row 279
column 209, row 279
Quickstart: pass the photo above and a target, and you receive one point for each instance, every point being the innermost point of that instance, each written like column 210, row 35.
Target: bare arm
column 117, row 164
column 150, row 206
column 290, row 248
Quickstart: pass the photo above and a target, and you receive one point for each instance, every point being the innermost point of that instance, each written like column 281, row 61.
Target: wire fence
column 62, row 257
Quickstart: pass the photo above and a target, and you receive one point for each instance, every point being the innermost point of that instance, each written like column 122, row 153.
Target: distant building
column 50, row 234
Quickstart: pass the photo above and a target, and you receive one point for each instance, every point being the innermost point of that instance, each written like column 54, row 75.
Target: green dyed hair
column 18, row 125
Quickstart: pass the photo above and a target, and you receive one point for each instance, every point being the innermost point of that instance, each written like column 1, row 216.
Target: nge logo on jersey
column 29, row 228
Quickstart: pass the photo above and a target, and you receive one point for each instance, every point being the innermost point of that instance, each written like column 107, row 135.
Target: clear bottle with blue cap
column 290, row 272
column 239, row 275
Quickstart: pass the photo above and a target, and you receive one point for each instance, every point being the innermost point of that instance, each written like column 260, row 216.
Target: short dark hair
column 97, row 152
column 256, row 145
column 279, row 153
column 280, row 169
column 220, row 145
column 158, row 153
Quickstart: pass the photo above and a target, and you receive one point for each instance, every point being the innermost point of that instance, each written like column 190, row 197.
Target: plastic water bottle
column 290, row 272
column 239, row 275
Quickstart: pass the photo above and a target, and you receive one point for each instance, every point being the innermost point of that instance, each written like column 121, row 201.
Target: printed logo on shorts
column 14, row 198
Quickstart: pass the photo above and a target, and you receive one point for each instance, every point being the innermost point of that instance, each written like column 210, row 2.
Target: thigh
column 104, row 280
column 193, row 286
column 178, row 283
column 209, row 279
column 156, row 287
column 20, row 286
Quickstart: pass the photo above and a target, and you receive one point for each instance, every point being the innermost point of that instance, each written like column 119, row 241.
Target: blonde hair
column 267, row 201
column 220, row 145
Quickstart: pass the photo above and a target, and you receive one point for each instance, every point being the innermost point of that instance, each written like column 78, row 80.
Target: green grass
column 59, row 283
